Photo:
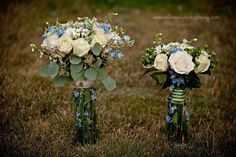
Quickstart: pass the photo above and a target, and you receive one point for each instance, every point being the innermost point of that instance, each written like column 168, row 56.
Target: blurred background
column 37, row 119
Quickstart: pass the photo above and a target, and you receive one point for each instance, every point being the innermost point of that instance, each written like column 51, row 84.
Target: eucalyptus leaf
column 43, row 70
column 109, row 83
column 75, row 68
column 98, row 62
column 102, row 74
column 91, row 74
column 53, row 69
column 68, row 80
column 78, row 76
column 75, row 60
column 58, row 81
column 97, row 49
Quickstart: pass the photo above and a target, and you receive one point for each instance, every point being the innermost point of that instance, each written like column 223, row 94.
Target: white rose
column 158, row 49
column 51, row 43
column 65, row 45
column 160, row 62
column 181, row 62
column 81, row 47
column 51, row 46
column 204, row 62
column 100, row 37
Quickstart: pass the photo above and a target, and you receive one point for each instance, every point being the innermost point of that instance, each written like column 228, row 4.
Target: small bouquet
column 81, row 50
column 177, row 66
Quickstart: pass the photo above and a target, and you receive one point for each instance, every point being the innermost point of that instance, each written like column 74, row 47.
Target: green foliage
column 193, row 81
column 97, row 49
column 91, row 74
column 43, row 70
column 78, row 76
column 149, row 56
column 102, row 74
column 53, row 69
column 214, row 60
column 175, row 118
column 77, row 72
column 194, row 52
column 162, row 78
column 75, row 60
column 59, row 81
column 75, row 68
column 98, row 62
column 109, row 83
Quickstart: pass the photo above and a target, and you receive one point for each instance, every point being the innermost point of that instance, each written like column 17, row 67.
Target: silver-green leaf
column 109, row 83
column 58, row 81
column 102, row 74
column 75, row 68
column 91, row 74
column 78, row 76
column 75, row 60
column 97, row 49
column 43, row 70
column 53, row 69
column 98, row 63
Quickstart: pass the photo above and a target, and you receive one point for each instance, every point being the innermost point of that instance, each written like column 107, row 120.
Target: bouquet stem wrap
column 84, row 96
column 177, row 119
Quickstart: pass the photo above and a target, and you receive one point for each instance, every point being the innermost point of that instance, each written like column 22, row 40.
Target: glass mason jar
column 84, row 96
column 177, row 118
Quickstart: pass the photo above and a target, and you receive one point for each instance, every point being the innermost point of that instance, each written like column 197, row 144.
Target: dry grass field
column 37, row 119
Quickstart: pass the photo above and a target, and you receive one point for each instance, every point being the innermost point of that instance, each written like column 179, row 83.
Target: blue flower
column 126, row 38
column 78, row 125
column 77, row 114
column 174, row 81
column 174, row 49
column 171, row 111
column 86, row 113
column 44, row 36
column 51, row 30
column 172, row 87
column 187, row 115
column 172, row 77
column 106, row 27
column 168, row 119
column 75, row 94
column 178, row 81
column 116, row 54
column 119, row 41
column 60, row 31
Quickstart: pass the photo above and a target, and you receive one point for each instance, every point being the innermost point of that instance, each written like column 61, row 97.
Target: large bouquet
column 177, row 65
column 81, row 50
